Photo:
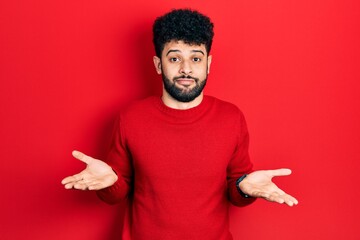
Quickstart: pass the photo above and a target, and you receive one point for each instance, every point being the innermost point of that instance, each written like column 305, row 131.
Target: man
column 180, row 158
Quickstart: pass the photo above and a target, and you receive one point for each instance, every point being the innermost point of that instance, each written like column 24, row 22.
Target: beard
column 183, row 94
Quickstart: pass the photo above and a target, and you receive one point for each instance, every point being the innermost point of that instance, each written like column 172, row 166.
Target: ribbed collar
column 184, row 116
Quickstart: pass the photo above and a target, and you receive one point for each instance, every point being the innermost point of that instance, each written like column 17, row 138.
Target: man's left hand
column 258, row 184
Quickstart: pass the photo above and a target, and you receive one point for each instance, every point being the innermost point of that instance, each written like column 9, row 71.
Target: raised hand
column 97, row 174
column 258, row 184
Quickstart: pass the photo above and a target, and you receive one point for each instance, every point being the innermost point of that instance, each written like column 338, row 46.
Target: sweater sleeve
column 119, row 160
column 239, row 164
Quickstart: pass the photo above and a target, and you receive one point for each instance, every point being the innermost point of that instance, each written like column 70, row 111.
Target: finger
column 74, row 178
column 82, row 157
column 66, row 180
column 96, row 186
column 280, row 192
column 271, row 197
column 288, row 201
column 280, row 172
column 92, row 184
column 276, row 197
column 69, row 186
column 80, row 186
column 283, row 199
column 277, row 200
column 291, row 200
column 259, row 194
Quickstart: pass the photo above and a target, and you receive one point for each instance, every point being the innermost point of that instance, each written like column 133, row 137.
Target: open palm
column 97, row 174
column 259, row 184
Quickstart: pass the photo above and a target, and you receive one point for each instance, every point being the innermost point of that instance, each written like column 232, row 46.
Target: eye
column 174, row 59
column 196, row 59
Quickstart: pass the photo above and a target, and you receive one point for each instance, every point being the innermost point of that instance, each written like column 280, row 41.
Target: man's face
column 184, row 69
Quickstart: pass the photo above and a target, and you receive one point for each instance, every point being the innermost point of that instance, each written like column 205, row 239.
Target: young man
column 179, row 159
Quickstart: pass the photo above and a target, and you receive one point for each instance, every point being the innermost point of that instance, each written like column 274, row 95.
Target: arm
column 112, row 179
column 120, row 161
column 239, row 164
column 256, row 184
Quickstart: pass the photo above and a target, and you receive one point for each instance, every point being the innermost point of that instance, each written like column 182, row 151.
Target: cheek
column 169, row 70
column 203, row 70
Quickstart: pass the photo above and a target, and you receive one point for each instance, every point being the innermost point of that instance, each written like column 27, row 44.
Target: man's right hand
column 97, row 174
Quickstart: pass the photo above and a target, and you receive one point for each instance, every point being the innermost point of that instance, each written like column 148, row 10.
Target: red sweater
column 178, row 168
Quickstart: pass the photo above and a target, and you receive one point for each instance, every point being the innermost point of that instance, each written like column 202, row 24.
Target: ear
column 209, row 63
column 157, row 64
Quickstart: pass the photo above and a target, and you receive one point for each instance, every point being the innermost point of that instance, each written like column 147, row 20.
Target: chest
column 189, row 150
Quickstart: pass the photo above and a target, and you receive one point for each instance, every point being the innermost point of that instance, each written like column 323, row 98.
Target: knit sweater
column 178, row 168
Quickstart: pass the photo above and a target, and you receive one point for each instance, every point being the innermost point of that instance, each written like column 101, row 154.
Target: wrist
column 238, row 181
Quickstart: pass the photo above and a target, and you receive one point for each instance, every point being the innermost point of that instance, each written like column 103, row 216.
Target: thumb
column 280, row 172
column 82, row 157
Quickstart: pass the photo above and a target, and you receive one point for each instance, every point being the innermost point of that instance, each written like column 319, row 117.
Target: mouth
column 185, row 81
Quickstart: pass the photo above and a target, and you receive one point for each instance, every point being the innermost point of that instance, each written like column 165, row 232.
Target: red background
column 67, row 67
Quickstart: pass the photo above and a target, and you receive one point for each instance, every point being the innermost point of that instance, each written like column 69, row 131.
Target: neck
column 173, row 103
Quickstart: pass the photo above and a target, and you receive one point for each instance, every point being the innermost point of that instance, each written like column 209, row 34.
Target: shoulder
column 225, row 107
column 139, row 109
column 228, row 116
column 140, row 105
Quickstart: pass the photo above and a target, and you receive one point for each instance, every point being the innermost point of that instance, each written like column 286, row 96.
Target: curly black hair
column 185, row 25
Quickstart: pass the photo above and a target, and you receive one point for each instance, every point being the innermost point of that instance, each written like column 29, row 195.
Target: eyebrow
column 176, row 50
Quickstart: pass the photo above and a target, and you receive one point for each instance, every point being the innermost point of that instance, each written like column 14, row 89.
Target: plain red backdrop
column 67, row 68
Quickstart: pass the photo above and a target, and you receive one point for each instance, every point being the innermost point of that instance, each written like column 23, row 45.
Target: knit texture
column 178, row 168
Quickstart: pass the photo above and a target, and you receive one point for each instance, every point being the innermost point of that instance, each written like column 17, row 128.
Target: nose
column 185, row 68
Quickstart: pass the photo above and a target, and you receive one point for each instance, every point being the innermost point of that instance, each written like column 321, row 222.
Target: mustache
column 188, row 77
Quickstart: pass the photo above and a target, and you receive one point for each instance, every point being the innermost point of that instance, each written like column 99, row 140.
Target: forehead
column 182, row 47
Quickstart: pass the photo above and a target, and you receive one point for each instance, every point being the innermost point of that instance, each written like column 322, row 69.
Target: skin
column 180, row 59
